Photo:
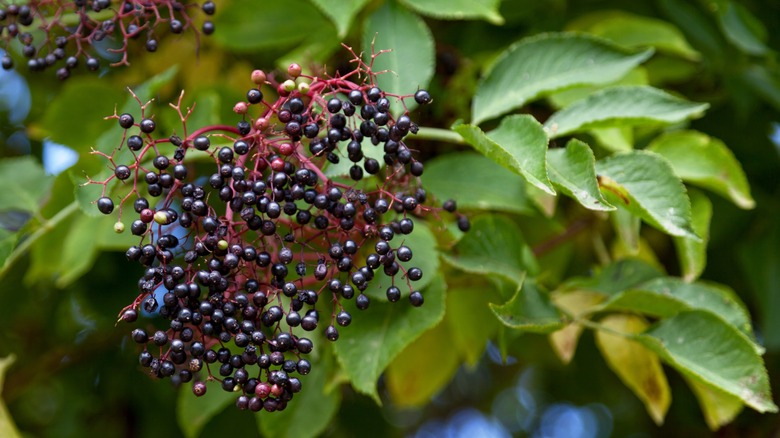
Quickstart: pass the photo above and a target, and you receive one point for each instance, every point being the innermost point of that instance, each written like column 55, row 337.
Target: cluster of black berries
column 70, row 28
column 237, row 259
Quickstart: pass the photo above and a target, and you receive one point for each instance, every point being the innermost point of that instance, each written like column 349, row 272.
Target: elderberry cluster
column 247, row 254
column 70, row 28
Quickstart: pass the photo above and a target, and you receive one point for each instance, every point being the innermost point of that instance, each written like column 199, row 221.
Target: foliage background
column 75, row 373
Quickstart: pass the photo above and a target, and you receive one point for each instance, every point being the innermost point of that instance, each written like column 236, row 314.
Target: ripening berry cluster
column 71, row 28
column 243, row 260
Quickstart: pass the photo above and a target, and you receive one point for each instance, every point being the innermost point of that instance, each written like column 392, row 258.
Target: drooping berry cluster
column 71, row 28
column 238, row 258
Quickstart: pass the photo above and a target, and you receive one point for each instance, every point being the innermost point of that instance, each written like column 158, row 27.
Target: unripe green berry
column 303, row 88
column 222, row 244
column 288, row 85
column 119, row 227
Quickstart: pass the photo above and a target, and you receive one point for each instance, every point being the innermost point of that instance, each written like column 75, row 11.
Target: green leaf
column 622, row 106
column 7, row 427
column 411, row 58
column 638, row 368
column 86, row 237
column 537, row 66
column 368, row 345
column 636, row 31
column 530, row 310
column 192, row 413
column 742, row 28
column 693, row 254
column 425, row 256
column 668, row 296
column 309, row 413
column 493, row 246
column 573, row 171
column 645, row 184
column 422, row 369
column 470, row 322
column 340, row 12
column 617, row 277
column 488, row 186
column 25, row 185
column 519, row 144
column 457, row 9
column 80, row 93
column 706, row 162
column 704, row 348
column 278, row 25
column 719, row 407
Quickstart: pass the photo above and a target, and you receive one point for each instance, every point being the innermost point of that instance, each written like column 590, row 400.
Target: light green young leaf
column 519, row 144
column 423, row 368
column 368, row 345
column 412, row 56
column 495, row 246
column 622, row 106
column 311, row 411
column 340, row 12
column 706, row 162
column 530, row 310
column 693, row 254
column 477, row 183
column 573, row 171
column 457, row 9
column 645, row 184
column 192, row 413
column 719, row 408
column 705, row 348
column 537, row 66
column 636, row 31
column 7, row 427
column 422, row 242
column 638, row 368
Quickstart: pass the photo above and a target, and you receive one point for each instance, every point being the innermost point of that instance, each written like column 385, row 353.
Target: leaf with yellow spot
column 639, row 368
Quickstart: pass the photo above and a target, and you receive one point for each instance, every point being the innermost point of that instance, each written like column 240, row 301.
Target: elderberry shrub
column 58, row 34
column 239, row 256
